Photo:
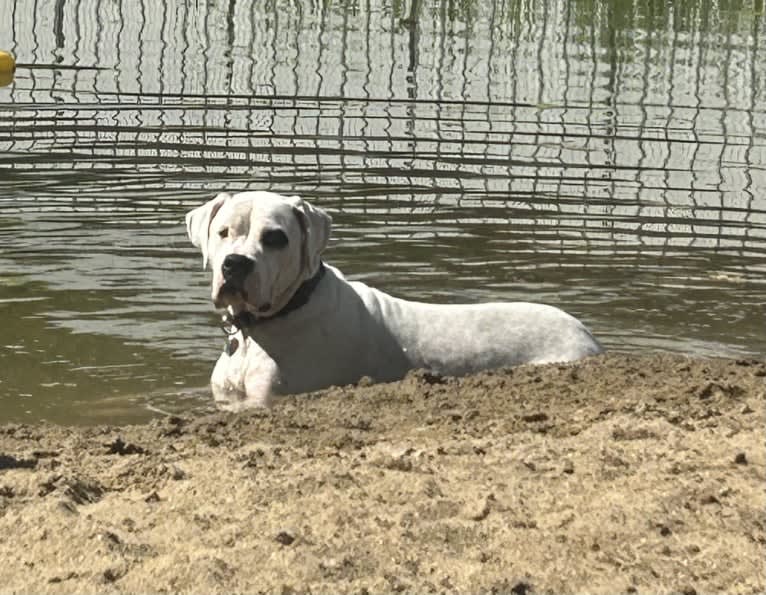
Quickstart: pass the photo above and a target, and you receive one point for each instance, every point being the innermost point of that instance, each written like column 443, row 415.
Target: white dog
column 298, row 325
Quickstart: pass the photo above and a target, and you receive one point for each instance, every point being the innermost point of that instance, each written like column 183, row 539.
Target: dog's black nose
column 236, row 267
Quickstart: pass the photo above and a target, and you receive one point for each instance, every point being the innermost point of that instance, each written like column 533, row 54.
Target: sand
column 618, row 474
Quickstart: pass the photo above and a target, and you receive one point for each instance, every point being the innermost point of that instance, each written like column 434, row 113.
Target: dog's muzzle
column 235, row 269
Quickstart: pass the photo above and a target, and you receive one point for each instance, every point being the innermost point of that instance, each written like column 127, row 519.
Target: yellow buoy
column 7, row 68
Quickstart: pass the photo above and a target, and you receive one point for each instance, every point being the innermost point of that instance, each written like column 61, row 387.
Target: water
column 606, row 157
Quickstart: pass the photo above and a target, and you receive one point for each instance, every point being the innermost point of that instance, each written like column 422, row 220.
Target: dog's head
column 261, row 247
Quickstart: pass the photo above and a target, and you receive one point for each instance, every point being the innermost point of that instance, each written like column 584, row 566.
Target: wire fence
column 599, row 126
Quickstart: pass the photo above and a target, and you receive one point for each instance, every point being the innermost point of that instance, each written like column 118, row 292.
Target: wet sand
column 622, row 473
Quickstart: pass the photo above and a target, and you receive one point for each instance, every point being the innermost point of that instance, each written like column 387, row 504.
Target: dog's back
column 460, row 339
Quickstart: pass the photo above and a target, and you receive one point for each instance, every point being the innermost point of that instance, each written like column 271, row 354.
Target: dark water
column 606, row 157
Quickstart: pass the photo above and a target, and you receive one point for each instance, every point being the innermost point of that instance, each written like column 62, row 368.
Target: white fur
column 348, row 330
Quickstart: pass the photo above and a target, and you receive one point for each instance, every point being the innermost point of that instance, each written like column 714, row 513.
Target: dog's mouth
column 235, row 297
column 230, row 295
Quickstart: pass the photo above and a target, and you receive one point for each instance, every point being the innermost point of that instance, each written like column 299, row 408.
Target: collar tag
column 230, row 346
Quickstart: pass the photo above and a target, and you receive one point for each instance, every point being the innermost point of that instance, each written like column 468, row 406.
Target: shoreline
column 617, row 473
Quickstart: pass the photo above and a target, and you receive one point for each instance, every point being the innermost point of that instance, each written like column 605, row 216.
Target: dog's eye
column 274, row 238
column 223, row 232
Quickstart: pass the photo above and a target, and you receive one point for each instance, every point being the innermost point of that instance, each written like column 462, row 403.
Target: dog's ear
column 198, row 223
column 315, row 224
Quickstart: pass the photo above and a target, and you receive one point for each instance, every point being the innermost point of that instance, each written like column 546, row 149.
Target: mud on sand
column 617, row 474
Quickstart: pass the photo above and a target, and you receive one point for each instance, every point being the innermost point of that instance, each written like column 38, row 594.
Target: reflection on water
column 607, row 157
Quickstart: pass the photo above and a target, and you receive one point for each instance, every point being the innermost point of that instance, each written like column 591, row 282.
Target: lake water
column 606, row 157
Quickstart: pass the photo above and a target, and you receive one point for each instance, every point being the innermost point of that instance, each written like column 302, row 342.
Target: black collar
column 243, row 320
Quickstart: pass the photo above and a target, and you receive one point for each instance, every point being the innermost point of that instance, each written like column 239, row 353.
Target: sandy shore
column 618, row 474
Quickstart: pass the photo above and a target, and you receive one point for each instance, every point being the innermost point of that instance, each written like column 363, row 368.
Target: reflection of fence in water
column 652, row 137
